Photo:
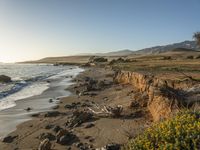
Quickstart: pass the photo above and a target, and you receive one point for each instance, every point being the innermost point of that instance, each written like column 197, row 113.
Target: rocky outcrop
column 162, row 101
column 4, row 79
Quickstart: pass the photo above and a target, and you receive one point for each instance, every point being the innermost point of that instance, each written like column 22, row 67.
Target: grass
column 162, row 68
column 179, row 133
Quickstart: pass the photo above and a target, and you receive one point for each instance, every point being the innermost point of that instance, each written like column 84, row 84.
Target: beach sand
column 91, row 134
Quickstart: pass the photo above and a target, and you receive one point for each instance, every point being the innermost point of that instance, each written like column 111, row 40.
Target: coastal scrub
column 179, row 133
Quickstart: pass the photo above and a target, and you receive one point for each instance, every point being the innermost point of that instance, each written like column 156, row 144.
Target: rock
column 49, row 126
column 80, row 117
column 5, row 79
column 49, row 136
column 56, row 129
column 68, row 106
column 9, row 139
column 116, row 111
column 55, row 107
column 45, row 145
column 64, row 137
column 72, row 105
column 61, row 133
column 79, row 144
column 52, row 114
column 110, row 147
column 87, row 137
column 28, row 109
column 91, row 84
column 134, row 104
column 91, row 140
column 89, row 125
column 35, row 115
column 50, row 100
column 48, row 81
column 64, row 140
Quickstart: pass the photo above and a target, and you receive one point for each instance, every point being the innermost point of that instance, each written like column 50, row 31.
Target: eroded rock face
column 162, row 100
column 4, row 79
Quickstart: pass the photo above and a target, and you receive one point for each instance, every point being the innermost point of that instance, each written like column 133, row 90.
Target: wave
column 22, row 89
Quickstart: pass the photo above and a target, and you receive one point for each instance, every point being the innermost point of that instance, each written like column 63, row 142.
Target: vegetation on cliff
column 181, row 132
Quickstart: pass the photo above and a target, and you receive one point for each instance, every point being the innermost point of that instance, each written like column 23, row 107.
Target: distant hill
column 160, row 49
column 182, row 48
column 152, row 50
column 117, row 53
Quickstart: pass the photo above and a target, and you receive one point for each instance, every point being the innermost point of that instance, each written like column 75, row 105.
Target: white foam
column 69, row 72
column 29, row 91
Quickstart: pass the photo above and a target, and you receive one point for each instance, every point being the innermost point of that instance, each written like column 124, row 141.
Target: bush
column 167, row 58
column 97, row 59
column 198, row 57
column 181, row 132
column 190, row 57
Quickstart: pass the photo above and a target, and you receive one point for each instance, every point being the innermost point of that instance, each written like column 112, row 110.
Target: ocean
column 29, row 80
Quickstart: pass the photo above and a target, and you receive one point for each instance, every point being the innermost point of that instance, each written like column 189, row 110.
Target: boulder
column 56, row 128
column 5, row 79
column 112, row 147
column 9, row 139
column 64, row 137
column 49, row 136
column 64, row 140
column 80, row 117
column 52, row 114
column 45, row 145
column 61, row 133
column 28, row 109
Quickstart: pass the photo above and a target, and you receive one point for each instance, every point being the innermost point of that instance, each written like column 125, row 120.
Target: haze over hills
column 152, row 50
column 186, row 46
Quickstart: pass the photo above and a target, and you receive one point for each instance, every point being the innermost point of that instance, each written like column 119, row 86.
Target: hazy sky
column 32, row 29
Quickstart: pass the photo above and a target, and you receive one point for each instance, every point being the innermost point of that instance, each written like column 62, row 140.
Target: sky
column 33, row 29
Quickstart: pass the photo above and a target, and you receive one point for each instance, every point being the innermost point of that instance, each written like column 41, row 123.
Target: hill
column 125, row 52
column 165, row 48
column 188, row 47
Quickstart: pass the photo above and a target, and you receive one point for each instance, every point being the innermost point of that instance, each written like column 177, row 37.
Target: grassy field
column 168, row 66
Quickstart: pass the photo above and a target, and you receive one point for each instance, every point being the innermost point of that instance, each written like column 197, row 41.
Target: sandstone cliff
column 163, row 100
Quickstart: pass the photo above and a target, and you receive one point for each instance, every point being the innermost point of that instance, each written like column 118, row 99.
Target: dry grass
column 166, row 69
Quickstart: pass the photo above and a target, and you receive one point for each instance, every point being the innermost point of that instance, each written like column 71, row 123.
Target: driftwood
column 107, row 111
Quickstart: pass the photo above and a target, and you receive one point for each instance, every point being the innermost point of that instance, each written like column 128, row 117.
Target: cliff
column 163, row 100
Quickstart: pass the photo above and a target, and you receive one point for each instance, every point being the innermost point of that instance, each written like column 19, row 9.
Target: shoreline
column 10, row 118
column 90, row 133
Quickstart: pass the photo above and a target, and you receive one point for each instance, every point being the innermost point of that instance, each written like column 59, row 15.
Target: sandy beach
column 93, row 132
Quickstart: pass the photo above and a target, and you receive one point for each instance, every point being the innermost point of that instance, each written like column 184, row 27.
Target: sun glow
column 7, row 59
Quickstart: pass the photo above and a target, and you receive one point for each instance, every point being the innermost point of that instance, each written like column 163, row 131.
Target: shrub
column 97, row 59
column 181, row 132
column 198, row 57
column 167, row 58
column 190, row 57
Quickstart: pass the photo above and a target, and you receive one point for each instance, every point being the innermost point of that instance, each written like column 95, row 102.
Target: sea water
column 29, row 80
